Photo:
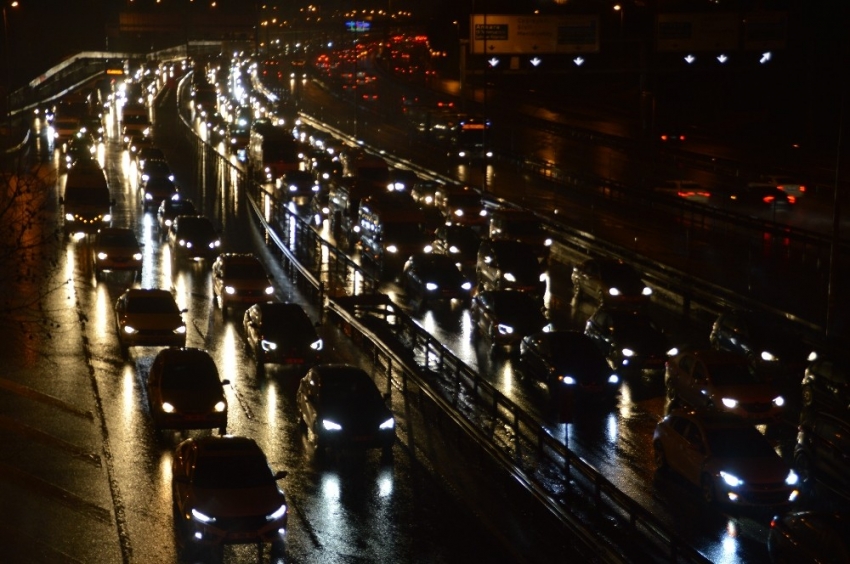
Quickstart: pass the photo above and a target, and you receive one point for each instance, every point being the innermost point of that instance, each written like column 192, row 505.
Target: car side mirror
column 184, row 310
column 280, row 475
column 386, row 396
column 225, row 382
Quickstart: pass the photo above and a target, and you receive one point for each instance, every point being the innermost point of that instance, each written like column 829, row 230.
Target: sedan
column 116, row 249
column 281, row 333
column 726, row 456
column 193, row 237
column 428, row 277
column 809, row 537
column 185, row 392
column 225, row 493
column 761, row 195
column 340, row 405
column 239, row 278
column 610, row 281
column 156, row 190
column 171, row 208
column 504, row 317
column 149, row 317
column 460, row 242
column 724, row 381
column 630, row 339
column 567, row 360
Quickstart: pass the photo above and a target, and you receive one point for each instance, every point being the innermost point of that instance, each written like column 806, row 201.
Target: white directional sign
column 492, row 34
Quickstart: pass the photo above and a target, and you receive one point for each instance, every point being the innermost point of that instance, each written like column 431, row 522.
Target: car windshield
column 522, row 228
column 617, row 271
column 180, row 207
column 738, row 442
column 514, row 303
column 464, row 201
column 732, row 373
column 349, row 388
column 196, row 227
column 248, row 270
column 402, row 232
column 634, row 324
column 232, row 472
column 190, row 376
column 117, row 239
column 151, row 305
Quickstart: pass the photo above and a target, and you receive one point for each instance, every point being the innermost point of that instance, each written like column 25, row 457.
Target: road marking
column 24, row 391
column 9, row 424
column 66, row 498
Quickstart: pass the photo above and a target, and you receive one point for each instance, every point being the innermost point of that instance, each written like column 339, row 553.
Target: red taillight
column 792, row 199
column 767, row 199
column 681, row 137
column 802, row 188
column 664, row 138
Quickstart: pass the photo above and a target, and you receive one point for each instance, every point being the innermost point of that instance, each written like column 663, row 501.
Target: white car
column 791, row 186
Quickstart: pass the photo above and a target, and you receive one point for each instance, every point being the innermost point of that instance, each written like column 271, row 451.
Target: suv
column 822, row 452
column 193, row 237
column 240, row 278
column 509, row 265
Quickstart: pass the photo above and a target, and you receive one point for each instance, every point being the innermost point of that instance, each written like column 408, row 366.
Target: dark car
column 509, row 265
column 340, row 405
column 461, row 242
column 822, row 452
column 240, row 278
column 116, row 249
column 156, row 190
column 149, row 317
column 461, row 205
column 504, row 317
column 154, row 168
column 429, row 277
column 298, row 187
column 281, row 333
column 523, row 226
column 764, row 339
column 193, row 237
column 726, row 457
column 171, row 208
column 610, row 281
column 760, row 195
column 185, row 391
column 810, row 537
column 423, row 191
column 724, row 381
column 567, row 360
column 630, row 339
column 225, row 493
column 826, row 385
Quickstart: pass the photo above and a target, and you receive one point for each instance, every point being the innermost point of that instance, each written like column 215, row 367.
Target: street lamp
column 12, row 4
column 619, row 8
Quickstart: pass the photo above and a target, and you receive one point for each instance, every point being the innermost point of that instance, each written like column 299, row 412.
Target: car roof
column 236, row 258
column 226, row 446
column 710, row 419
column 714, row 356
column 148, row 292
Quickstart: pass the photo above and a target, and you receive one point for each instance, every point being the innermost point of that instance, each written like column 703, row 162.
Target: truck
column 272, row 152
column 86, row 202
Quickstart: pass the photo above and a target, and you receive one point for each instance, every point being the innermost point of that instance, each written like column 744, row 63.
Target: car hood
column 753, row 470
column 193, row 400
column 358, row 415
column 238, row 502
column 153, row 322
column 247, row 283
column 646, row 342
column 746, row 393
column 117, row 250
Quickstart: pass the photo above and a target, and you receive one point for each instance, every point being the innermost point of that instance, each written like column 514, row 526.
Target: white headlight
column 769, row 357
column 388, row 424
column 430, row 286
column 220, row 406
column 509, row 277
column 614, row 291
column 628, row 352
column 331, row 426
column 731, row 479
column 167, row 407
column 729, row 402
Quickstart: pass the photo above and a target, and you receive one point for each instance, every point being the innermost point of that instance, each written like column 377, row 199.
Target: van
column 87, row 204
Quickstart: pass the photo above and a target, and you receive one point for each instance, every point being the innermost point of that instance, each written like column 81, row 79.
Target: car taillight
column 767, row 199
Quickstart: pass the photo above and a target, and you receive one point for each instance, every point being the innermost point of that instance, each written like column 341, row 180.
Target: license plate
column 294, row 361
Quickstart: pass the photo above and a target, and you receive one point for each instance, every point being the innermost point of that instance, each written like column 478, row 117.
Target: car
column 281, row 333
column 523, row 226
column 689, row 190
column 777, row 350
column 810, row 537
column 157, row 189
column 154, row 168
column 193, row 237
column 423, row 191
column 402, row 179
column 146, row 153
column 461, row 205
column 760, row 195
column 239, row 278
column 726, row 456
column 724, row 381
column 340, row 405
column 509, row 265
column 822, row 451
column 504, row 317
column 826, row 384
column 325, row 168
column 136, row 143
column 610, row 281
column 298, row 187
column 80, row 147
column 630, row 340
column 116, row 249
column 566, row 360
column 788, row 184
column 170, row 208
column 428, row 278
column 224, row 492
column 149, row 317
column 461, row 242
column 185, row 391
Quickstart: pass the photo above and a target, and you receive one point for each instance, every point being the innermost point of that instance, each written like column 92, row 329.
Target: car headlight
column 731, row 479
column 137, row 256
column 509, row 277
column 769, row 357
column 568, row 380
column 130, row 330
column 331, row 426
column 229, row 290
column 779, row 401
column 220, row 406
column 107, row 217
column 613, row 379
column 647, row 291
column 792, row 478
column 317, row 345
column 429, row 248
column 268, row 345
column 628, row 352
column 293, row 188
column 167, row 407
column 466, row 285
column 180, row 330
column 505, row 329
column 202, row 517
column 69, row 217
column 430, row 286
column 278, row 513
column 459, row 213
column 269, row 290
column 614, row 291
column 453, row 249
column 673, row 352
column 729, row 402
column 392, row 249
column 102, row 256
column 388, row 424
column 548, row 242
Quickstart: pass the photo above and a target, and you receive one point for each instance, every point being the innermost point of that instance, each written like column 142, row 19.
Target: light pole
column 7, row 62
column 619, row 8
